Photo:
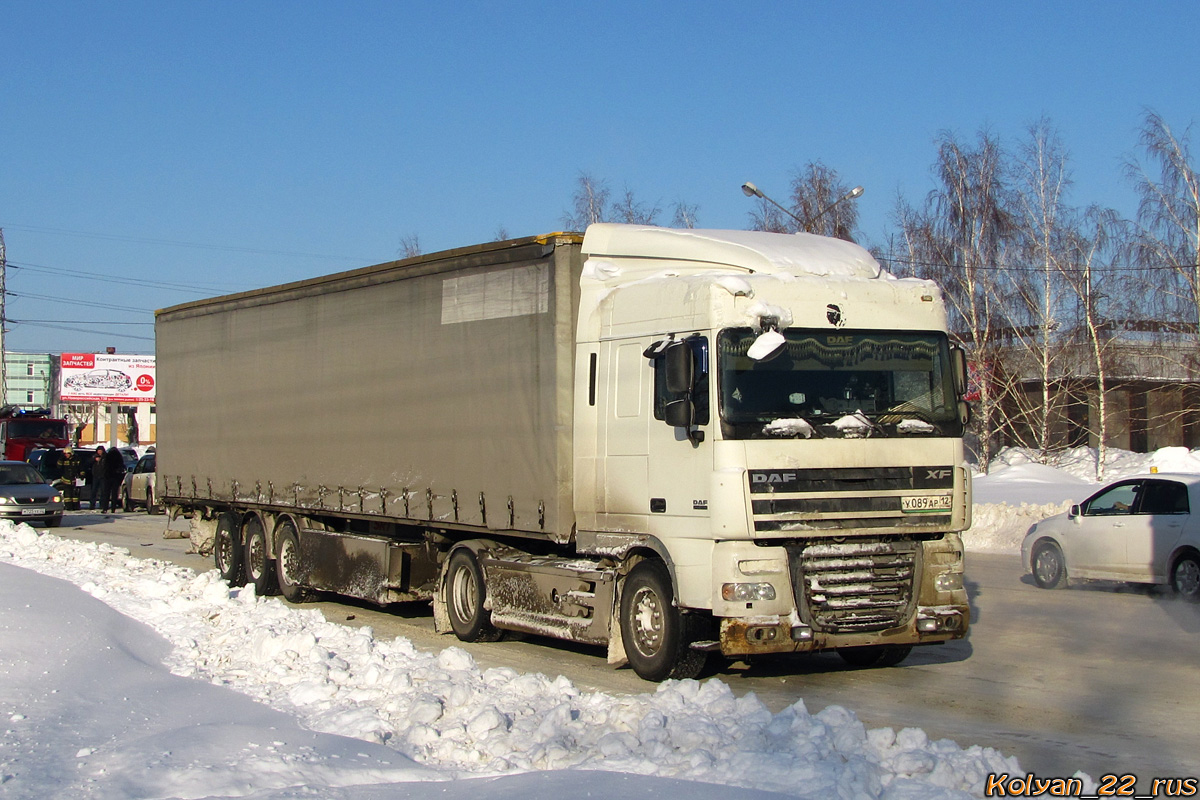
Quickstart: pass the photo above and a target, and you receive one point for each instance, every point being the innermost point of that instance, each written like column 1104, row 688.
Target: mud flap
column 616, row 645
column 441, row 614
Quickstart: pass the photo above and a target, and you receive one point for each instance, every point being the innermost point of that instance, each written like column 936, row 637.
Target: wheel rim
column 257, row 556
column 224, row 548
column 289, row 561
column 462, row 593
column 1187, row 578
column 1048, row 565
column 647, row 621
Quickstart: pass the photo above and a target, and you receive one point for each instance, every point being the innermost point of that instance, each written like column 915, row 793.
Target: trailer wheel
column 657, row 635
column 877, row 655
column 260, row 572
column 287, row 564
column 466, row 592
column 227, row 551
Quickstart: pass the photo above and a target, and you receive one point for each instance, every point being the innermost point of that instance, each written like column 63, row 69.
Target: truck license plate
column 32, row 511
column 925, row 503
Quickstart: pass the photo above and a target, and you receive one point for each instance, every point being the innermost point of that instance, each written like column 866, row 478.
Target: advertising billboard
column 100, row 378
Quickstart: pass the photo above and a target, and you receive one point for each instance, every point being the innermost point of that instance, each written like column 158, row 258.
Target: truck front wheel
column 227, row 551
column 259, row 570
column 466, row 595
column 656, row 634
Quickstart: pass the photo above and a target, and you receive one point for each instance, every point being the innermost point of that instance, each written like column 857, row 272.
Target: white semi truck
column 664, row 442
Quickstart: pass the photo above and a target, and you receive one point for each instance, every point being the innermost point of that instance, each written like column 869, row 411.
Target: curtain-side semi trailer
column 664, row 442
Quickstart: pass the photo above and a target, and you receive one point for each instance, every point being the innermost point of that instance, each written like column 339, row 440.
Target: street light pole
column 750, row 190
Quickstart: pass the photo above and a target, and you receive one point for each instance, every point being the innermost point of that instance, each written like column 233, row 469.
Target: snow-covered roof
column 756, row 251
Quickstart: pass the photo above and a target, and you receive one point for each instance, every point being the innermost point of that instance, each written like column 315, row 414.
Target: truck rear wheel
column 260, row 572
column 287, row 564
column 656, row 634
column 227, row 551
column 876, row 655
column 466, row 594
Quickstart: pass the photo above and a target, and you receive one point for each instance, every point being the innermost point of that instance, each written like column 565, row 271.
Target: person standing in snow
column 97, row 479
column 114, row 474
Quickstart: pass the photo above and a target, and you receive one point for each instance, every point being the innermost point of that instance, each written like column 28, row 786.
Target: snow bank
column 442, row 711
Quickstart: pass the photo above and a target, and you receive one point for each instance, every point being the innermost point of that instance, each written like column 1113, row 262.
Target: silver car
column 26, row 497
column 138, row 486
column 1138, row 530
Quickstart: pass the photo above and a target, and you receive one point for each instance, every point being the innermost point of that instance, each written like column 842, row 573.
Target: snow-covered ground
column 123, row 677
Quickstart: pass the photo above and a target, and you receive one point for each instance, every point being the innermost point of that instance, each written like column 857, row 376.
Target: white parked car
column 138, row 486
column 1140, row 529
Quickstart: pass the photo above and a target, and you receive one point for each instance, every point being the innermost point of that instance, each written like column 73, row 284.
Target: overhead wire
column 177, row 243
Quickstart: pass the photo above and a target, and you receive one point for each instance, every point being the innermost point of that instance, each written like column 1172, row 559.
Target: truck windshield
column 838, row 384
column 37, row 429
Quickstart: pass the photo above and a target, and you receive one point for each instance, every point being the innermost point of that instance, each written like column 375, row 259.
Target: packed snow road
column 1096, row 678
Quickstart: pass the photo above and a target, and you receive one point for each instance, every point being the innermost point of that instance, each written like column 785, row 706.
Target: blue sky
column 178, row 150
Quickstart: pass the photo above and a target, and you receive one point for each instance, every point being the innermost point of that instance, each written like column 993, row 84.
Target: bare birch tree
column 1169, row 211
column 819, row 197
column 589, row 203
column 410, row 246
column 1036, row 304
column 960, row 239
column 1089, row 269
column 685, row 215
column 629, row 209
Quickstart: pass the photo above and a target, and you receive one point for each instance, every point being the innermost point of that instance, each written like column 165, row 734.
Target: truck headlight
column 949, row 582
column 747, row 591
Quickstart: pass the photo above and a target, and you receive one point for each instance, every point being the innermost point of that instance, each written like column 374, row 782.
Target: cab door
column 680, row 454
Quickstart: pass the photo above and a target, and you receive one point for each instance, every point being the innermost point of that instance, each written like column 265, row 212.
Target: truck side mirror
column 959, row 359
column 680, row 413
column 680, row 377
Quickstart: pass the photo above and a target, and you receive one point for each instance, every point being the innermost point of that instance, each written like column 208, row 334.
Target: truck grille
column 857, row 586
column 847, row 499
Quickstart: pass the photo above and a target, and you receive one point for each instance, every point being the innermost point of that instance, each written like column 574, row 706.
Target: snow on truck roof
column 756, row 251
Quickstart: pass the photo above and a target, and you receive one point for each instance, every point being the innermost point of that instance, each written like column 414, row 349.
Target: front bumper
column 766, row 635
column 39, row 512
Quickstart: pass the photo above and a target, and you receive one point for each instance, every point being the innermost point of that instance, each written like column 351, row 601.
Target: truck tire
column 876, row 655
column 287, row 564
column 227, row 551
column 657, row 635
column 260, row 572
column 466, row 595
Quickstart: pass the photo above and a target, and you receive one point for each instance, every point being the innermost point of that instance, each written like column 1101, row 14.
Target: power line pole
column 3, row 320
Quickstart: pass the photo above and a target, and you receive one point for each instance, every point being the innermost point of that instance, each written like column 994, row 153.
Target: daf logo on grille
column 937, row 474
column 773, row 477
